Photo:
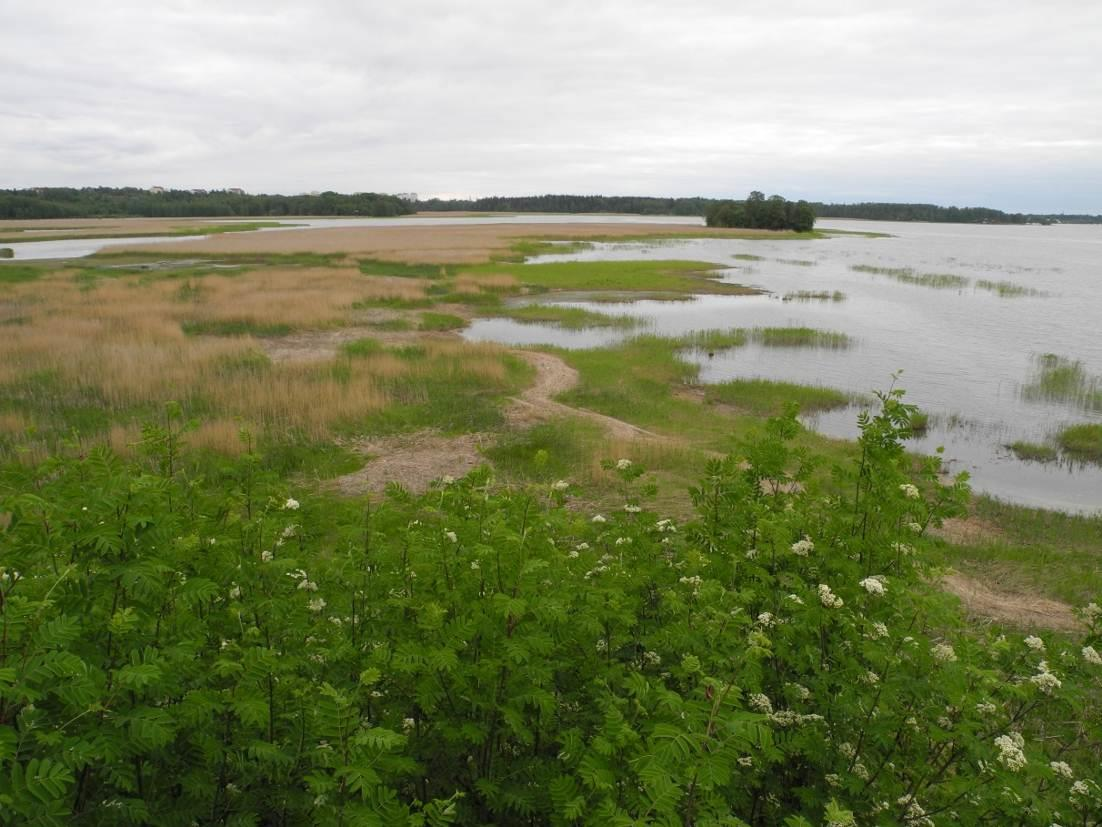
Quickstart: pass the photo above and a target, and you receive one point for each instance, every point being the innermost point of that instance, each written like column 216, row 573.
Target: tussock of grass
column 19, row 273
column 661, row 276
column 909, row 275
column 763, row 397
column 748, row 257
column 377, row 267
column 799, row 337
column 1059, row 378
column 234, row 327
column 797, row 262
column 441, row 321
column 815, row 295
column 1082, row 442
column 1033, row 451
column 571, row 318
column 1008, row 289
column 362, row 347
column 714, row 339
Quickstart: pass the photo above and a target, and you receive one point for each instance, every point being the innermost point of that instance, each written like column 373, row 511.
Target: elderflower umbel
column 909, row 491
column 829, row 598
column 623, row 464
column 266, row 557
column 873, row 585
column 944, row 653
column 760, row 703
column 1034, row 643
column 1061, row 768
column 1011, row 755
column 560, row 485
column 632, row 509
column 307, row 585
column 317, row 604
column 451, row 536
column 1090, row 655
column 291, row 504
column 597, row 518
column 801, row 548
column 879, row 630
column 1045, row 680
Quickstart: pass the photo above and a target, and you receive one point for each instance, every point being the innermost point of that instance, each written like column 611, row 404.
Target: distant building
column 235, row 191
column 157, row 190
column 198, row 192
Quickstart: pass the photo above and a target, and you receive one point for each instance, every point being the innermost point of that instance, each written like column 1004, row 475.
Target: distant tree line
column 634, row 205
column 956, row 215
column 101, row 202
column 761, row 213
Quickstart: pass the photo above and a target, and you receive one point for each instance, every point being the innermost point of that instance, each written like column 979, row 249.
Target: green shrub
column 181, row 651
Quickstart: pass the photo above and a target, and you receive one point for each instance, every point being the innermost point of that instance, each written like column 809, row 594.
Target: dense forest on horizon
column 761, row 213
column 105, row 202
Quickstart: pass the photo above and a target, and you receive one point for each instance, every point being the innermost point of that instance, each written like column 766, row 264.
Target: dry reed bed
column 120, row 346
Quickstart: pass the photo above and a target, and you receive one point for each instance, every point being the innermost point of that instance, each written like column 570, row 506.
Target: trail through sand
column 415, row 460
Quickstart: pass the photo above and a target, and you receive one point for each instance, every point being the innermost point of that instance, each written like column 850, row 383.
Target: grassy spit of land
column 311, row 351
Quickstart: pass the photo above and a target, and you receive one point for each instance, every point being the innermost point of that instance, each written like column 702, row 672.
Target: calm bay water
column 967, row 355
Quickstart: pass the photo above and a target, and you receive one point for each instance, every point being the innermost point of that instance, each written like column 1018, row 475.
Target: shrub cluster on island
column 761, row 213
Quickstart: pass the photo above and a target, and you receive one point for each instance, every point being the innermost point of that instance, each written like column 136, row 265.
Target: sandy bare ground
column 459, row 243
column 968, row 531
column 415, row 460
column 1022, row 610
column 46, row 228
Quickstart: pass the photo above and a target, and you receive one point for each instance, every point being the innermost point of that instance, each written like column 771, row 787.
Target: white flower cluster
column 787, row 718
column 915, row 527
column 870, row 678
column 317, row 604
column 801, row 548
column 582, row 546
column 914, row 815
column 632, row 509
column 874, row 585
column 909, row 491
column 266, row 556
column 1090, row 655
column 447, row 479
column 623, row 464
column 451, row 536
column 291, row 504
column 879, row 630
column 1061, row 768
column 1034, row 643
column 665, row 527
column 652, row 658
column 9, row 575
column 943, row 653
column 560, row 485
column 795, row 598
column 766, row 619
column 304, row 582
column 760, row 703
column 694, row 582
column 903, row 549
column 623, row 541
column 597, row 518
column 1045, row 680
column 829, row 598
column 1092, row 611
column 985, row 708
column 1011, row 754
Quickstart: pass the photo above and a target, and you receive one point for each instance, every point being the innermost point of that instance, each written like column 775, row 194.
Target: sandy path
column 1021, row 610
column 554, row 376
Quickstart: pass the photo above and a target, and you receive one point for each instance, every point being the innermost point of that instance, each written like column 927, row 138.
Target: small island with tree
column 759, row 212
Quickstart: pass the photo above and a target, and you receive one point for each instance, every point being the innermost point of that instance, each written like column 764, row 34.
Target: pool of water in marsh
column 992, row 330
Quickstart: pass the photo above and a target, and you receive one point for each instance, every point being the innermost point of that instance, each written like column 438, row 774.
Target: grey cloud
column 962, row 102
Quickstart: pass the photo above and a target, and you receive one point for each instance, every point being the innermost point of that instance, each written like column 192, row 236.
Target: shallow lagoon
column 967, row 354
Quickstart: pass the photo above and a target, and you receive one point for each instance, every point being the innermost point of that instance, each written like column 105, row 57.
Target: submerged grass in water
column 1033, row 451
column 815, row 295
column 1008, row 289
column 1082, row 442
column 570, row 318
column 908, row 275
column 1059, row 378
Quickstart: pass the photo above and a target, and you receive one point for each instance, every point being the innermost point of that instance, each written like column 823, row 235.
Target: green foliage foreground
column 184, row 650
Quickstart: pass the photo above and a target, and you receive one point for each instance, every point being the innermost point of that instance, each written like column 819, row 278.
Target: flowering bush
column 178, row 650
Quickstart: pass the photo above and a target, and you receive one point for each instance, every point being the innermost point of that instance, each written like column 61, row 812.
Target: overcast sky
column 970, row 103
